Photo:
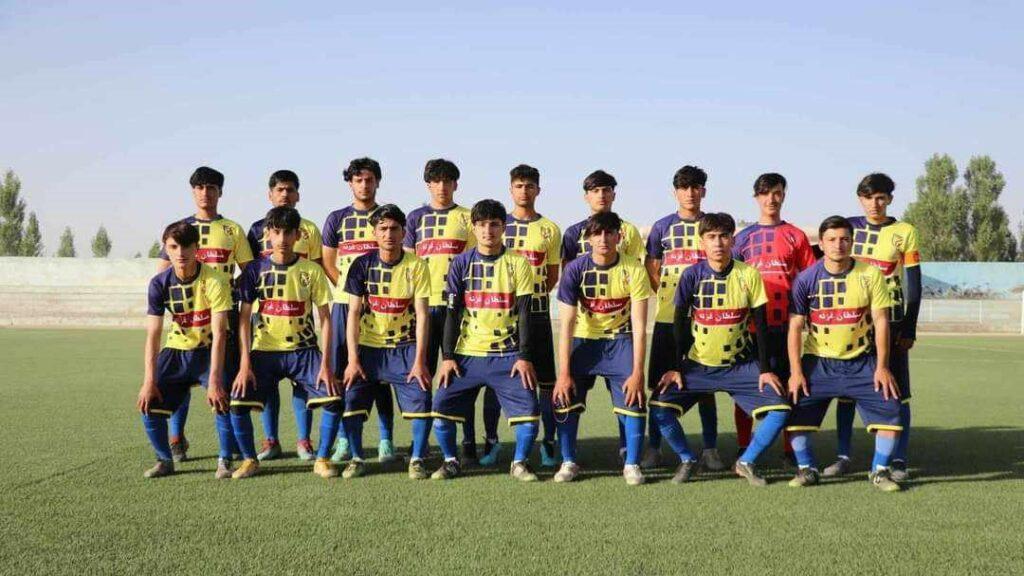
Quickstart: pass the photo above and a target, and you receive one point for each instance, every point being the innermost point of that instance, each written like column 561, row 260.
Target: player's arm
column 794, row 347
column 149, row 393
column 564, row 384
column 215, row 395
column 551, row 281
column 634, row 384
column 761, row 335
column 330, row 263
column 452, row 326
column 653, row 266
column 420, row 372
column 245, row 377
column 884, row 380
column 354, row 369
column 913, row 292
column 326, row 375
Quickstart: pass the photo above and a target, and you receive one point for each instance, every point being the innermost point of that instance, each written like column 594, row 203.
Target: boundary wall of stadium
column 111, row 292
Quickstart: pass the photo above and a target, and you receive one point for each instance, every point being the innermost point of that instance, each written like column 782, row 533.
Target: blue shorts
column 899, row 365
column 828, row 378
column 453, row 402
column 338, row 346
column 299, row 366
column 179, row 370
column 738, row 380
column 387, row 367
column 610, row 359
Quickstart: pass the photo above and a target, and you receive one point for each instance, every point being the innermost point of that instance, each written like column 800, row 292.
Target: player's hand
column 770, row 379
column 420, row 373
column 564, row 388
column 669, row 378
column 215, row 395
column 354, row 371
column 448, row 367
column 325, row 377
column 904, row 344
column 634, row 390
column 886, row 383
column 149, row 395
column 241, row 385
column 524, row 368
column 797, row 385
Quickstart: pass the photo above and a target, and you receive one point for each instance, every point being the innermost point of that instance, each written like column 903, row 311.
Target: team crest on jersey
column 864, row 283
column 304, row 233
column 897, row 242
column 546, row 233
column 305, row 279
column 229, row 231
column 625, row 279
column 408, row 275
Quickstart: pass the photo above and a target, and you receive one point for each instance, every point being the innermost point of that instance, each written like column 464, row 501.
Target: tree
column 32, row 239
column 101, row 243
column 991, row 238
column 940, row 212
column 12, row 215
column 154, row 250
column 67, row 244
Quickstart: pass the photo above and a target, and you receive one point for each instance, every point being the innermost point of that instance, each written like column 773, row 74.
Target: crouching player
column 847, row 306
column 285, row 289
column 603, row 296
column 387, row 339
column 714, row 303
column 199, row 299
column 487, row 341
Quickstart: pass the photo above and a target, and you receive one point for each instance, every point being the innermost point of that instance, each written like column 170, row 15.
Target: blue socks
column 330, row 421
column 241, row 423
column 634, row 427
column 567, row 433
column 492, row 414
column 653, row 434
column 904, row 439
column 303, row 418
column 883, row 452
column 420, row 437
column 444, row 431
column 526, row 434
column 765, row 435
column 708, row 422
column 354, row 433
column 180, row 416
column 672, row 431
column 547, row 415
column 156, row 430
column 801, row 444
column 225, row 436
column 271, row 412
column 385, row 411
column 844, row 427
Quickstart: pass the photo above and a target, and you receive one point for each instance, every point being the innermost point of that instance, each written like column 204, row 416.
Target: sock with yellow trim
column 330, row 421
column 634, row 427
column 672, row 431
column 526, row 435
column 241, row 425
column 444, row 431
column 765, row 435
column 420, row 438
column 845, row 412
column 156, row 429
column 884, row 446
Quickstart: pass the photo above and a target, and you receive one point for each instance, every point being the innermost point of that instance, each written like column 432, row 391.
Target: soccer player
column 673, row 245
column 599, row 194
column 539, row 240
column 284, row 290
column 222, row 246
column 892, row 247
column 347, row 236
column 716, row 300
column 437, row 233
column 603, row 296
column 487, row 341
column 284, row 191
column 779, row 251
column 388, row 325
column 198, row 299
column 846, row 304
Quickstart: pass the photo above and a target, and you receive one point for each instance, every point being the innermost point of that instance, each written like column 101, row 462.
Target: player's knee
column 662, row 415
column 332, row 407
column 240, row 410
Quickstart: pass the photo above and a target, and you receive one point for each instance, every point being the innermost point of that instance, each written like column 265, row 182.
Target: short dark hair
column 765, row 182
column 205, row 176
column 488, row 210
column 284, row 176
column 524, row 172
column 716, row 222
column 282, row 218
column 874, row 184
column 602, row 222
column 388, row 212
column 689, row 177
column 833, row 222
column 183, row 233
column 359, row 164
column 598, row 179
column 439, row 170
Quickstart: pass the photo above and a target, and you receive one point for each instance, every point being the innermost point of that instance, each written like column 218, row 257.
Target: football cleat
column 651, row 457
column 491, row 451
column 898, row 471
column 355, row 469
column 449, row 469
column 179, row 449
column 568, row 472
column 341, row 451
column 745, row 470
column 223, row 469
column 161, row 468
column 304, row 450
column 711, row 460
column 882, row 480
column 840, row 467
column 632, row 474
column 271, row 450
column 804, row 477
column 386, row 452
column 684, row 472
column 547, row 454
column 324, row 468
column 521, row 471
column 247, row 469
column 417, row 471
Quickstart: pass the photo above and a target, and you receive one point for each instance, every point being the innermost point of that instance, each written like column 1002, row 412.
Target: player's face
column 770, row 201
column 284, row 194
column 206, row 196
column 836, row 243
column 364, row 186
column 600, row 199
column 489, row 233
column 689, row 198
column 524, row 193
column 875, row 205
column 605, row 243
column 442, row 191
column 180, row 256
column 282, row 241
column 388, row 234
column 717, row 244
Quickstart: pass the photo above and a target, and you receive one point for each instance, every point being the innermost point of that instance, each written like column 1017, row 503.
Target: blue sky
column 107, row 108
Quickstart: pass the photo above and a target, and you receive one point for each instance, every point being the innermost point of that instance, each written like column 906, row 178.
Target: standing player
column 487, row 341
column 437, row 233
column 388, row 324
column 603, row 297
column 892, row 247
column 539, row 240
column 222, row 246
column 283, row 290
column 846, row 303
column 673, row 245
column 347, row 236
column 599, row 194
column 715, row 302
column 284, row 191
column 779, row 251
column 198, row 299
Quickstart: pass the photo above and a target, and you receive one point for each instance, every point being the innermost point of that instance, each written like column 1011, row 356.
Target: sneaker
column 882, row 479
column 271, row 450
column 355, row 469
column 684, row 471
column 179, row 449
column 469, row 455
column 341, row 451
column 386, row 452
column 491, row 451
column 744, row 470
column 223, row 469
column 567, row 472
column 521, row 471
column 840, row 467
column 898, row 471
column 449, row 469
column 304, row 450
column 711, row 460
column 161, row 468
column 804, row 477
column 247, row 469
column 547, row 454
column 651, row 457
column 417, row 471
column 632, row 474
column 324, row 468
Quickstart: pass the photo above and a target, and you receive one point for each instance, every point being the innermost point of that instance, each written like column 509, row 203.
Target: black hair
column 526, row 173
column 689, row 177
column 599, row 179
column 716, row 222
column 439, row 170
column 874, row 184
column 387, row 212
column 359, row 164
column 488, row 210
column 282, row 218
column 183, row 233
column 284, row 176
column 765, row 182
column 205, row 176
column 833, row 222
column 602, row 222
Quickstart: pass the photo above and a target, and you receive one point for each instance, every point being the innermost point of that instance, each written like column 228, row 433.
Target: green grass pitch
column 72, row 498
